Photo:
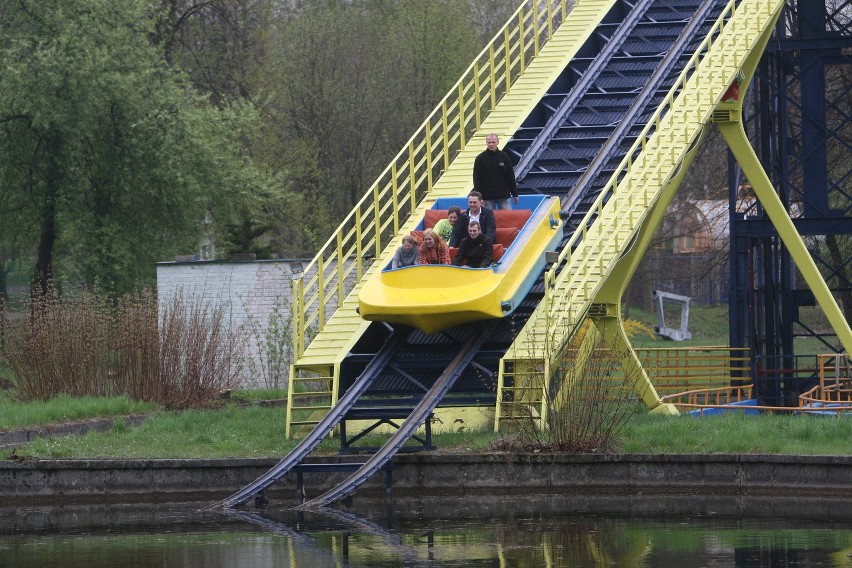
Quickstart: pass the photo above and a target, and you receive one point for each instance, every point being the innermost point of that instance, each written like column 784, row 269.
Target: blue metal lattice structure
column 570, row 145
column 800, row 121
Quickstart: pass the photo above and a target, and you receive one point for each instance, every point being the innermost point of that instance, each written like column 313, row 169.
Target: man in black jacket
column 475, row 251
column 478, row 212
column 494, row 177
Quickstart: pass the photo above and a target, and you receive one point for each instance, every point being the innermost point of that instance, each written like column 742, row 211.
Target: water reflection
column 522, row 531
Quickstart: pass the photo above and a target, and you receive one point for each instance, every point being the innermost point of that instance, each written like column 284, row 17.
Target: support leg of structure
column 613, row 336
column 737, row 140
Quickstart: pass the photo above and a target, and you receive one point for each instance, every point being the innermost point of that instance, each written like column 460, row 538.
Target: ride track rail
column 407, row 429
column 479, row 334
column 325, row 426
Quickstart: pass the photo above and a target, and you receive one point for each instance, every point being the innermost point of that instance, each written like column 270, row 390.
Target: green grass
column 259, row 432
column 707, row 324
column 6, row 374
column 255, row 395
column 6, row 396
column 230, row 432
column 739, row 434
column 15, row 414
column 708, row 321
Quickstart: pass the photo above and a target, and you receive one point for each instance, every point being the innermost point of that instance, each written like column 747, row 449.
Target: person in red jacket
column 433, row 249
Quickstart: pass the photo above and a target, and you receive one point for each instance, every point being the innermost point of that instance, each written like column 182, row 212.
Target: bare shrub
column 55, row 345
column 199, row 353
column 90, row 345
column 273, row 341
column 136, row 346
column 181, row 357
column 586, row 402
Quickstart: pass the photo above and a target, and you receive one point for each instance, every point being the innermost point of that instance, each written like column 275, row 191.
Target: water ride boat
column 435, row 297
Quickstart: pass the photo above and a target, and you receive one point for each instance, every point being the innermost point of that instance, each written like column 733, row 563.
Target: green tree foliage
column 245, row 235
column 347, row 85
column 490, row 15
column 120, row 132
column 220, row 44
column 108, row 158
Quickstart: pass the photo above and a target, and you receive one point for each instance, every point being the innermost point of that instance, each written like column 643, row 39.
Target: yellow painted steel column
column 613, row 288
column 288, row 414
column 737, row 140
column 612, row 333
column 732, row 130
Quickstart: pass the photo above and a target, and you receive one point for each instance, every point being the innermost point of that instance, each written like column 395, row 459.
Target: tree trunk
column 47, row 238
column 44, row 262
column 4, row 275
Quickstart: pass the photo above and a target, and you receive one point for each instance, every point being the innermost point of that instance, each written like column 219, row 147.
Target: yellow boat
column 436, row 297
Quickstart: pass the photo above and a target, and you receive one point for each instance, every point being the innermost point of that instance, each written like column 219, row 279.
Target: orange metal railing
column 679, row 369
column 833, row 394
column 719, row 397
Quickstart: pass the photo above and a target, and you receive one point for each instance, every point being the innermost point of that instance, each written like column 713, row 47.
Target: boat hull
column 436, row 297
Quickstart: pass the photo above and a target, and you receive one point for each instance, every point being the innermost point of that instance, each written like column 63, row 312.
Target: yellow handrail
column 375, row 220
column 556, row 297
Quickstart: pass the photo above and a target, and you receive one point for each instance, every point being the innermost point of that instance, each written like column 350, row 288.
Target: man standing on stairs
column 494, row 177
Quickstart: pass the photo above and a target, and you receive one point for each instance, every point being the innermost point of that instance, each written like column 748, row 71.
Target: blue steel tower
column 799, row 117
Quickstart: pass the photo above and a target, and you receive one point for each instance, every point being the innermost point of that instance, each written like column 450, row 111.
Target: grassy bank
column 707, row 324
column 63, row 408
column 739, row 434
column 259, row 432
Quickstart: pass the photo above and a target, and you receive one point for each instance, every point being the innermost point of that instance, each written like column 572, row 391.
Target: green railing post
column 395, row 203
column 508, row 57
column 429, row 159
column 377, row 213
column 445, row 134
column 492, row 76
column 549, row 20
column 522, row 51
column 412, row 176
column 476, row 89
column 321, row 291
column 462, row 127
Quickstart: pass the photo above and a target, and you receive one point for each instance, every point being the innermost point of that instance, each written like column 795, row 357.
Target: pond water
column 440, row 531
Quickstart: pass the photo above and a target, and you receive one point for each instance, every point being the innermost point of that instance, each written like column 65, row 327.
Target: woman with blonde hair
column 433, row 249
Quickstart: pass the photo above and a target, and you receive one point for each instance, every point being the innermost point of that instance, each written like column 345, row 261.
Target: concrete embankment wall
column 123, row 481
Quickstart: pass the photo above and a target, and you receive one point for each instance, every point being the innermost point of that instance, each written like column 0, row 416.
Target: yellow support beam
column 737, row 140
column 600, row 258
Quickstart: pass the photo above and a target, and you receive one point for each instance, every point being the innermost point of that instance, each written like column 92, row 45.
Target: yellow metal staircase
column 608, row 231
column 494, row 95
